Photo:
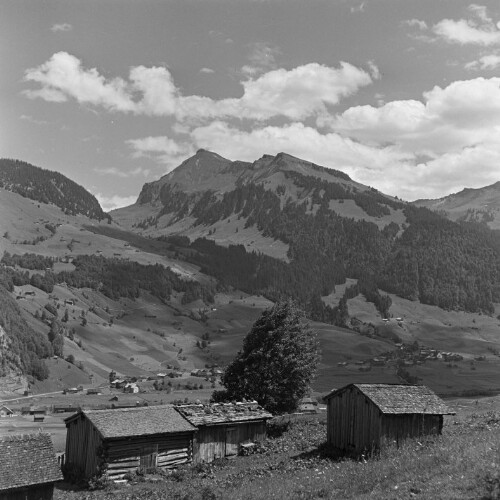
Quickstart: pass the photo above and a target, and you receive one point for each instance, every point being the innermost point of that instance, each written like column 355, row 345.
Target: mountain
column 46, row 186
column 475, row 205
column 312, row 227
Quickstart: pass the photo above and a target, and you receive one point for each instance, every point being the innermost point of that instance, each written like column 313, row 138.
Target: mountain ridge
column 48, row 186
column 470, row 204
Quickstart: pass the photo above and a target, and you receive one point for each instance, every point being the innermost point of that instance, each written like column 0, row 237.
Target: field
column 463, row 463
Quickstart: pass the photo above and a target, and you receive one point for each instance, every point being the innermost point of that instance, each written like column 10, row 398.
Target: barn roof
column 404, row 399
column 27, row 459
column 219, row 413
column 141, row 421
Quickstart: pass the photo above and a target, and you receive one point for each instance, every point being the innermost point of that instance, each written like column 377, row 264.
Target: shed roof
column 403, row 399
column 141, row 421
column 27, row 459
column 219, row 413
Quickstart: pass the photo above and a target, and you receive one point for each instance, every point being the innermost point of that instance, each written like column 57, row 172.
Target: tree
column 278, row 360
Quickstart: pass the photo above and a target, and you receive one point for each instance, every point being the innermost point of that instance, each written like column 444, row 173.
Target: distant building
column 364, row 417
column 28, row 467
column 308, row 405
column 5, row 411
column 131, row 388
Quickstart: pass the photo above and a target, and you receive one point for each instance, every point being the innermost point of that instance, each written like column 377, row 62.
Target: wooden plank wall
column 159, row 450
column 218, row 441
column 396, row 428
column 35, row 492
column 353, row 423
column 82, row 444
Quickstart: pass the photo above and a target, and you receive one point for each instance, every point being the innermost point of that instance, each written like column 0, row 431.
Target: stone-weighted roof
column 219, row 413
column 401, row 399
column 140, row 421
column 27, row 459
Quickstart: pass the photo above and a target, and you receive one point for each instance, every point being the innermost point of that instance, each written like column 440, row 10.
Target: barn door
column 148, row 457
column 231, row 441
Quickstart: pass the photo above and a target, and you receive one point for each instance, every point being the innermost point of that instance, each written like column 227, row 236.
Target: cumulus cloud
column 358, row 8
column 262, row 58
column 207, row 71
column 298, row 93
column 116, row 172
column 61, row 27
column 477, row 30
column 416, row 23
column 460, row 115
column 62, row 76
column 109, row 203
column 162, row 149
column 487, row 62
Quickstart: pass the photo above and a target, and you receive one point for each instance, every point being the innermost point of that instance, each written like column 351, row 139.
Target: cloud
column 61, row 27
column 461, row 115
column 161, row 149
column 207, row 71
column 116, row 172
column 262, row 58
column 416, row 23
column 30, row 119
column 296, row 94
column 358, row 8
column 62, row 76
column 109, row 203
column 478, row 30
column 487, row 62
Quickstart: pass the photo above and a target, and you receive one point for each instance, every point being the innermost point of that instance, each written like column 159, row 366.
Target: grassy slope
column 461, row 464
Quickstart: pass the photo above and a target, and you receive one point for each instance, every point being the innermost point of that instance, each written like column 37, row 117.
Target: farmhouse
column 223, row 427
column 5, row 411
column 308, row 405
column 29, row 467
column 363, row 417
column 125, row 440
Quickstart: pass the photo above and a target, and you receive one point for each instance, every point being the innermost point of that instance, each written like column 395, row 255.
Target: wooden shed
column 223, row 427
column 28, row 467
column 115, row 442
column 364, row 417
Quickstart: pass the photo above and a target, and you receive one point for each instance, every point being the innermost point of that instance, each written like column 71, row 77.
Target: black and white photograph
column 249, row 249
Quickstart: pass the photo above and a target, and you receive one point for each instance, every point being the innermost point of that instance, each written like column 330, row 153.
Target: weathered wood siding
column 221, row 440
column 35, row 492
column 354, row 424
column 82, row 446
column 396, row 428
column 161, row 450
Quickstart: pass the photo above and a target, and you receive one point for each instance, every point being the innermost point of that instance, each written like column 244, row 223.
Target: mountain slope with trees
column 46, row 186
column 389, row 244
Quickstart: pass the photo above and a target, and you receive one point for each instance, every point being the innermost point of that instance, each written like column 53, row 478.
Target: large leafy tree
column 278, row 360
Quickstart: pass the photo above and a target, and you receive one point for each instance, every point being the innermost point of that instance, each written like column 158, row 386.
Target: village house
column 364, row 417
column 5, row 411
column 223, row 427
column 308, row 405
column 28, row 467
column 120, row 441
column 131, row 388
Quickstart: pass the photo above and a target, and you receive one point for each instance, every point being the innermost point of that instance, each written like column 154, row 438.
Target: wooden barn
column 223, row 427
column 364, row 417
column 115, row 442
column 28, row 467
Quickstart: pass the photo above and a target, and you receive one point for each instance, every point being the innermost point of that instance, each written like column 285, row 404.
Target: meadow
column 463, row 463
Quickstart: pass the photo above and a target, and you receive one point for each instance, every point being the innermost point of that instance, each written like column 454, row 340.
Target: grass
column 463, row 463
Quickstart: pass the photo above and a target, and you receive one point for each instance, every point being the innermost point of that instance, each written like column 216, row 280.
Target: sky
column 402, row 95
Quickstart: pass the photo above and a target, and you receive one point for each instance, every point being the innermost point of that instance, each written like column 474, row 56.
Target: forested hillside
column 455, row 265
column 25, row 349
column 46, row 186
